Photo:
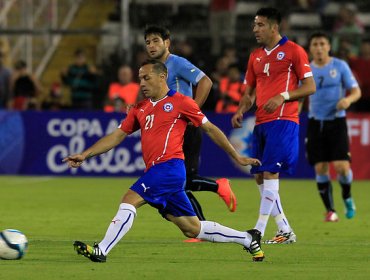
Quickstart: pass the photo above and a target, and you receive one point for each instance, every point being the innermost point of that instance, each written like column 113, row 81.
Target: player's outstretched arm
column 221, row 140
column 101, row 146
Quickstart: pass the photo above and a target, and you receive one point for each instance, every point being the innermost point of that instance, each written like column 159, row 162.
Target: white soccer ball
column 13, row 244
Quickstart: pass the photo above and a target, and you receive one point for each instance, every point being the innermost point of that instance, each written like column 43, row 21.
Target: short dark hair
column 162, row 31
column 270, row 14
column 318, row 34
column 158, row 67
column 20, row 64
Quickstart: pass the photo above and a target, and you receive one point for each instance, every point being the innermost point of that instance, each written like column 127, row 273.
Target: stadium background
column 45, row 33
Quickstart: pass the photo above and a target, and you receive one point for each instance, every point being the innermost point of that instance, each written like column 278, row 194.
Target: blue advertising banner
column 34, row 143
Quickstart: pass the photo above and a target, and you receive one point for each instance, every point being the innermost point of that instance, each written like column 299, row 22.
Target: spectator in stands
column 122, row 93
column 219, row 72
column 82, row 81
column 231, row 91
column 54, row 100
column 222, row 21
column 360, row 66
column 347, row 28
column 25, row 88
column 5, row 75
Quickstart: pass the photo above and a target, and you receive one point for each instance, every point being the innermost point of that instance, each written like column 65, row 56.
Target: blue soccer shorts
column 163, row 187
column 276, row 145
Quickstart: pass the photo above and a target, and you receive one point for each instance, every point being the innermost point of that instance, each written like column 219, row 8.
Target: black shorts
column 191, row 148
column 327, row 141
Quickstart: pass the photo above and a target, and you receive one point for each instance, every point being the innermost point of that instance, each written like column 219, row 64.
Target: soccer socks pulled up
column 278, row 213
column 214, row 232
column 119, row 226
column 279, row 216
column 345, row 182
column 268, row 198
column 196, row 183
column 326, row 191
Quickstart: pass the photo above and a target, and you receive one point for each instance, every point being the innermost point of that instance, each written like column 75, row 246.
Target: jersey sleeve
column 348, row 79
column 130, row 124
column 301, row 64
column 188, row 71
column 250, row 76
column 191, row 111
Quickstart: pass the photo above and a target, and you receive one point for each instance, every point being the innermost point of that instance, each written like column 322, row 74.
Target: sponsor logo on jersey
column 333, row 73
column 168, row 107
column 280, row 55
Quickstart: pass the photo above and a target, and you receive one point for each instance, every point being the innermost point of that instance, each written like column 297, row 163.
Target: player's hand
column 74, row 160
column 343, row 104
column 248, row 161
column 236, row 120
column 273, row 103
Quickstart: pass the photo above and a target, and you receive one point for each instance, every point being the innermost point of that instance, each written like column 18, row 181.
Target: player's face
column 150, row 82
column 156, row 47
column 263, row 30
column 319, row 48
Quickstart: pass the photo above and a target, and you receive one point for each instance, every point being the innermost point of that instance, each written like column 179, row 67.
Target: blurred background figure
column 222, row 20
column 360, row 66
column 348, row 30
column 82, row 80
column 231, row 90
column 5, row 76
column 54, row 101
column 122, row 93
column 25, row 88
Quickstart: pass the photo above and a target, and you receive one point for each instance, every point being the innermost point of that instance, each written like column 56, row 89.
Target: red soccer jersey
column 275, row 71
column 162, row 124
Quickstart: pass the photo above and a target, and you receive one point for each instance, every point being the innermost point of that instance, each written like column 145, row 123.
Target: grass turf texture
column 53, row 212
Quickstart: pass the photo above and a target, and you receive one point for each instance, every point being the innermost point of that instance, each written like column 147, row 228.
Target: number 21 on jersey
column 149, row 121
column 266, row 69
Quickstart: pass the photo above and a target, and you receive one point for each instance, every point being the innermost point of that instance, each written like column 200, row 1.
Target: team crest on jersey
column 280, row 55
column 168, row 107
column 333, row 73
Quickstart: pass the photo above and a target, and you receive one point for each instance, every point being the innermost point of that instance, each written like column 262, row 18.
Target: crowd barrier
column 34, row 143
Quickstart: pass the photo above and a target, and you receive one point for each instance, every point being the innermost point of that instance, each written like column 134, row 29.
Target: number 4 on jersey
column 266, row 69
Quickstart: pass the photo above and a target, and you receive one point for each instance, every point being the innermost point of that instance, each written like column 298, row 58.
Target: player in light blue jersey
column 182, row 76
column 327, row 137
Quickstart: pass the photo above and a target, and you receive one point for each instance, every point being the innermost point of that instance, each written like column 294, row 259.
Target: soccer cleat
column 331, row 216
column 255, row 247
column 93, row 253
column 350, row 208
column 193, row 240
column 225, row 192
column 282, row 238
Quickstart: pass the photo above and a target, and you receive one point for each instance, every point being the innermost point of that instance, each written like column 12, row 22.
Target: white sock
column 280, row 218
column 119, row 226
column 269, row 194
column 214, row 232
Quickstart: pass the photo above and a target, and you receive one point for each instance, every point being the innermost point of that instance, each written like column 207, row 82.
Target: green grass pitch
column 53, row 212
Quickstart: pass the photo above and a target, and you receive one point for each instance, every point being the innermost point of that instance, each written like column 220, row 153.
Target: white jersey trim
column 286, row 90
column 308, row 74
column 167, row 139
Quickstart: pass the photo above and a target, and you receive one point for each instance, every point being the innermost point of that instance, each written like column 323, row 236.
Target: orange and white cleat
column 227, row 195
column 193, row 240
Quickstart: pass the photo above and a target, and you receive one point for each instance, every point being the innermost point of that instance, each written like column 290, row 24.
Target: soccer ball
column 13, row 244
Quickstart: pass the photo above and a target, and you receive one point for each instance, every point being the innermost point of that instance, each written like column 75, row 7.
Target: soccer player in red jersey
column 162, row 119
column 272, row 80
